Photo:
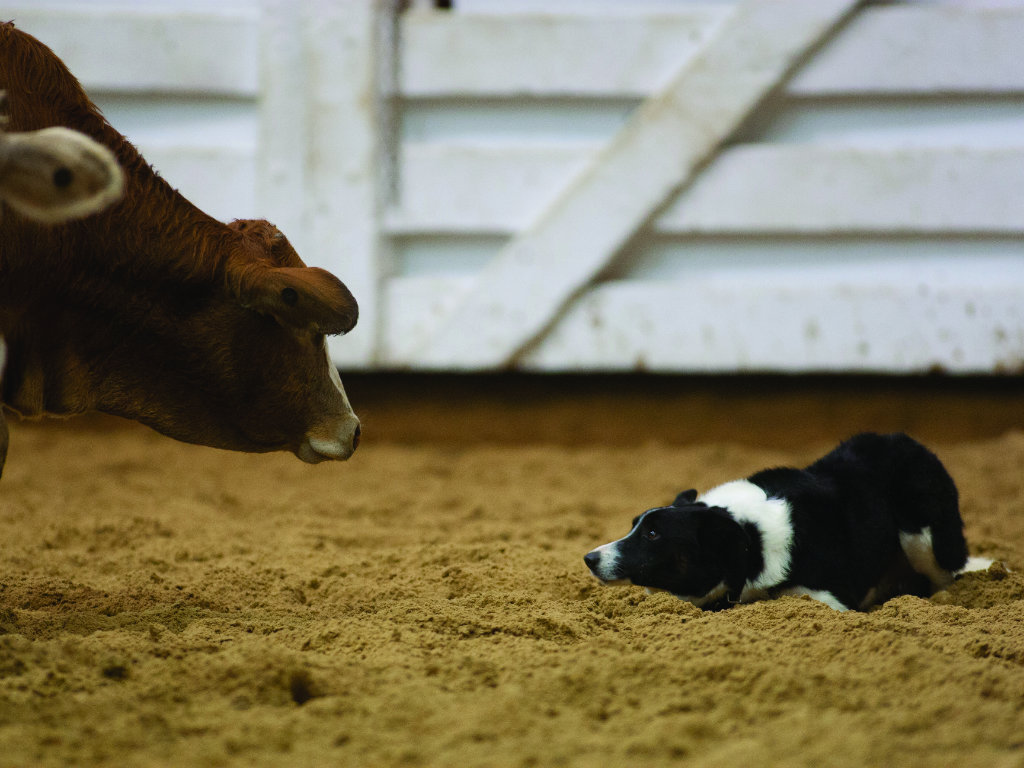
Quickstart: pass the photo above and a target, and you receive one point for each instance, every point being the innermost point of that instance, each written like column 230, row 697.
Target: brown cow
column 208, row 332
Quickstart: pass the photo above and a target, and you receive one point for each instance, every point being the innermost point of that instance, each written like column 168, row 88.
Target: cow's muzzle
column 336, row 443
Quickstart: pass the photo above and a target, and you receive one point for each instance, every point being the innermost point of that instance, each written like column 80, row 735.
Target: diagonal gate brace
column 661, row 149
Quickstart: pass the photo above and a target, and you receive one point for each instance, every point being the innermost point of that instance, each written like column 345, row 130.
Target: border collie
column 876, row 517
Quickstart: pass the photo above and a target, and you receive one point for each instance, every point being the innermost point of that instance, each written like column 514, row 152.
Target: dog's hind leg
column 920, row 552
column 940, row 547
column 931, row 532
column 948, row 544
column 941, row 561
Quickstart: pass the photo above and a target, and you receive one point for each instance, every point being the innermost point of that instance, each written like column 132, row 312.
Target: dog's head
column 696, row 552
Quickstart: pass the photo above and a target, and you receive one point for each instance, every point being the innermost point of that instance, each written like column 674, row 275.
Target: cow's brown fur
column 209, row 332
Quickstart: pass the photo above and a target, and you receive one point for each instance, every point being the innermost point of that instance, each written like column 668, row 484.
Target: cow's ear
column 305, row 298
column 56, row 174
column 686, row 497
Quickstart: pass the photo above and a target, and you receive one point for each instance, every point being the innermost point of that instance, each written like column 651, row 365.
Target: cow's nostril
column 355, row 437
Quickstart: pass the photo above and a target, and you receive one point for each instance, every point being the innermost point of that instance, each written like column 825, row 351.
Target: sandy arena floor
column 426, row 603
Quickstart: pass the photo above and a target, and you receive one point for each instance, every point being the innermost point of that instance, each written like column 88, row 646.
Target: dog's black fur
column 877, row 516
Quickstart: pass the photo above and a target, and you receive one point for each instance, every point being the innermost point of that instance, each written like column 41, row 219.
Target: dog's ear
column 686, row 497
column 728, row 545
column 736, row 556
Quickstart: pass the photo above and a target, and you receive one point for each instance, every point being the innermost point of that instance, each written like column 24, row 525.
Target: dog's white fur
column 748, row 503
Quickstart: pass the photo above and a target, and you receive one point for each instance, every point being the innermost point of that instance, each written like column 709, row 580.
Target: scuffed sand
column 426, row 603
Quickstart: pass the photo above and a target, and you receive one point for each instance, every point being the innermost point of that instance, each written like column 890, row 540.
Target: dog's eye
column 651, row 535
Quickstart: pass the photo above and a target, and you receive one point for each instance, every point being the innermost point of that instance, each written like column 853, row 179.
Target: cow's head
column 240, row 364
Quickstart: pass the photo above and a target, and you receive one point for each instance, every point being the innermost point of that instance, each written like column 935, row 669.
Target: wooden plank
column 966, row 320
column 497, row 189
column 818, row 190
column 459, row 54
column 342, row 150
column 669, row 137
column 912, row 49
column 921, row 49
column 151, row 50
column 747, row 325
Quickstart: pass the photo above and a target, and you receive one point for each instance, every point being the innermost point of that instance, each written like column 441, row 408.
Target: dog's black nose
column 592, row 559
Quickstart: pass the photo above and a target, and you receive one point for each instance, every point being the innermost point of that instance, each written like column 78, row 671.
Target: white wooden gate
column 785, row 185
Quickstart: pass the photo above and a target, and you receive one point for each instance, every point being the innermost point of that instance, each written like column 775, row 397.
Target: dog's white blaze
column 821, row 595
column 608, row 555
column 608, row 558
column 918, row 549
column 748, row 503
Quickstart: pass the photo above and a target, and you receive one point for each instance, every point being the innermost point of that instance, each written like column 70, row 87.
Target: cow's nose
column 333, row 440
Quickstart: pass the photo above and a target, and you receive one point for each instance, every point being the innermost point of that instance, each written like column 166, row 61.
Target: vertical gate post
column 281, row 154
column 342, row 160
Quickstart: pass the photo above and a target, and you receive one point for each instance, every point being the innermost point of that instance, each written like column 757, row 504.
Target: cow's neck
column 31, row 387
column 63, row 340
column 48, row 374
column 61, row 330
column 157, row 231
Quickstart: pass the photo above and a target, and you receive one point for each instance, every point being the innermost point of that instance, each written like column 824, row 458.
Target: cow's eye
column 651, row 535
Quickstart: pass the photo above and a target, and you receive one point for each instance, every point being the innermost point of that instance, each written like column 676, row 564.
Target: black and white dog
column 876, row 517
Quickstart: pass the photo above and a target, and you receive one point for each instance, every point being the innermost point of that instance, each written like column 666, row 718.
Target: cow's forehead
column 269, row 240
column 258, row 229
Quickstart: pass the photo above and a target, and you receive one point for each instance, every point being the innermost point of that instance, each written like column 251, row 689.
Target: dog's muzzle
column 593, row 561
column 602, row 562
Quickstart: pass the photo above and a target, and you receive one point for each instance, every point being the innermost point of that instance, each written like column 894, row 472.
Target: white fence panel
column 866, row 218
